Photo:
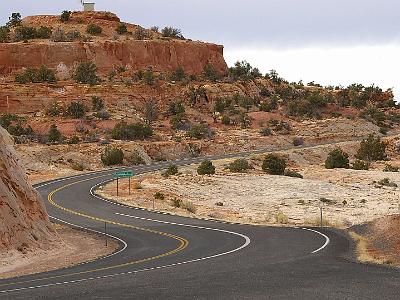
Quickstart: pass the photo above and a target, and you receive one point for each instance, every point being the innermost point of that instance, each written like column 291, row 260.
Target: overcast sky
column 328, row 41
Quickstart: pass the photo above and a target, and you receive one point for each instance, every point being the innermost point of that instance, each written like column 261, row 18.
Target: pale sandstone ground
column 258, row 198
column 76, row 247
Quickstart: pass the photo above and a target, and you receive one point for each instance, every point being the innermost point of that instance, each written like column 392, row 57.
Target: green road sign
column 126, row 174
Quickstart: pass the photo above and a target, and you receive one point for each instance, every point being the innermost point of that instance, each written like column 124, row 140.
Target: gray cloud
column 235, row 23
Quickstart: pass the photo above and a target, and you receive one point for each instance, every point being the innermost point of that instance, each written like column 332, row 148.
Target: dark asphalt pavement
column 171, row 257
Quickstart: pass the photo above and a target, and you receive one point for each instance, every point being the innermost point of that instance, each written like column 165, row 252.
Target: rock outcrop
column 24, row 222
column 108, row 55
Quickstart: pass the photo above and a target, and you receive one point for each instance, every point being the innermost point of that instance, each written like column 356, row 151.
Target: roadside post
column 125, row 174
column 105, row 232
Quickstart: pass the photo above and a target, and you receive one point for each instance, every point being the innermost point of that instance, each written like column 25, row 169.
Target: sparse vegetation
column 387, row 182
column 97, row 103
column 274, row 164
column 244, row 71
column 206, row 168
column 159, row 196
column 94, row 29
column 135, row 159
column 293, row 174
column 372, row 149
column 14, row 20
column 390, row 168
column 121, row 28
column 86, row 73
column 112, row 156
column 337, row 159
column 170, row 32
column 43, row 74
column 281, row 218
column 65, row 16
column 178, row 74
column 239, row 166
column 360, row 165
column 4, row 34
column 76, row 109
column 130, row 132
column 199, row 131
column 54, row 135
column 171, row 171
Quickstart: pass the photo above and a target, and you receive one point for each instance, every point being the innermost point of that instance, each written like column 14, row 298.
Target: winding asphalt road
column 170, row 257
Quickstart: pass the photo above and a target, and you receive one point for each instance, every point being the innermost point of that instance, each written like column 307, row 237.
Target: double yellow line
column 183, row 243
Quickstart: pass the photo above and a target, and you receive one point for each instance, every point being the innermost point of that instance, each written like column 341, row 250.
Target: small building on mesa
column 88, row 6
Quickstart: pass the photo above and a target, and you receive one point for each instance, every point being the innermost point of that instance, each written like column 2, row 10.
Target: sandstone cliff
column 24, row 222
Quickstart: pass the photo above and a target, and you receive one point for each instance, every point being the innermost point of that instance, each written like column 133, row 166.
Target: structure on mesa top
column 88, row 6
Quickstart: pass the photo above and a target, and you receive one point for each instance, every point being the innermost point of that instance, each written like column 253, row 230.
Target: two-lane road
column 170, row 257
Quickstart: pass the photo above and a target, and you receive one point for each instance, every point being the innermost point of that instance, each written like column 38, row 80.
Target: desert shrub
column 97, row 103
column 14, row 20
column 102, row 115
column 150, row 111
column 121, row 28
column 58, row 35
column 171, row 32
column 373, row 115
column 178, row 121
column 43, row 74
column 199, row 131
column 4, row 34
column 176, row 108
column 210, row 73
column 244, row 121
column 141, row 34
column 293, row 174
column 76, row 109
column 171, row 171
column 360, row 165
column 243, row 71
column 65, row 16
column 7, row 119
column 125, row 131
column 189, row 206
column 94, row 29
column 390, row 168
column 239, row 166
column 337, row 159
column 178, row 74
column 177, row 203
column 206, row 168
column 77, row 166
column 24, row 33
column 74, row 140
column 372, row 149
column 274, row 164
column 221, row 104
column 383, row 130
column 112, row 156
column 298, row 141
column 155, row 29
column 86, row 73
column 387, row 182
column 244, row 101
column 266, row 131
column 19, row 129
column 135, row 159
column 54, row 135
column 270, row 105
column 73, row 35
column 43, row 32
column 149, row 77
column 159, row 196
column 281, row 218
column 226, row 120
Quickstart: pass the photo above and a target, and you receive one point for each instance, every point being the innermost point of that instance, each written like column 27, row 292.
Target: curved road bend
column 170, row 257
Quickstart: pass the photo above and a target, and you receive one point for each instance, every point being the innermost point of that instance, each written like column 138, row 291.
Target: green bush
column 372, row 149
column 53, row 110
column 112, row 156
column 178, row 74
column 43, row 32
column 76, row 109
column 243, row 71
column 189, row 206
column 24, row 33
column 121, row 28
column 266, row 131
column 171, row 32
column 226, row 120
column 293, row 174
column 176, row 108
column 171, row 171
column 43, row 74
column 206, row 168
column 141, row 34
column 130, row 132
column 19, row 130
column 65, row 16
column 178, row 121
column 274, row 164
column 240, row 165
column 360, row 165
column 94, row 29
column 77, row 166
column 149, row 77
column 281, row 218
column 14, row 20
column 86, row 73
column 97, row 103
column 387, row 182
column 390, row 168
column 54, row 135
column 4, row 34
column 199, row 131
column 74, row 140
column 210, row 73
column 159, row 196
column 7, row 119
column 337, row 159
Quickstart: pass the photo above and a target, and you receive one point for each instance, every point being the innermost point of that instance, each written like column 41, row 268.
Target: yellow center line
column 183, row 242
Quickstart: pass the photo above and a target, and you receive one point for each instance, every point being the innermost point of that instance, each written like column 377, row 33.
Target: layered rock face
column 108, row 55
column 24, row 222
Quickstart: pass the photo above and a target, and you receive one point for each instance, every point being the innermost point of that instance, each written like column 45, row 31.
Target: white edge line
column 327, row 240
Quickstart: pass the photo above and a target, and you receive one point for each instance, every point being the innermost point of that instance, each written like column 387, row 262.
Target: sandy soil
column 77, row 247
column 352, row 197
